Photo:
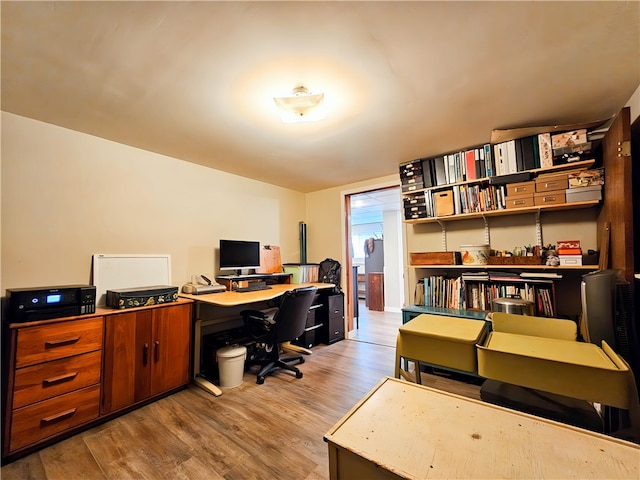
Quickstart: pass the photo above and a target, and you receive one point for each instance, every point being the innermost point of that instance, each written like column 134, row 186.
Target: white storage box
column 584, row 194
column 570, row 260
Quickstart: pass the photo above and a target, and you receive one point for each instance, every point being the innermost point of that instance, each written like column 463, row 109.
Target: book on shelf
column 470, row 164
column 441, row 177
column 475, row 276
column 540, row 275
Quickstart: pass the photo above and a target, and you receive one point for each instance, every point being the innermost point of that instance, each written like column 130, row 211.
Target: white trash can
column 231, row 365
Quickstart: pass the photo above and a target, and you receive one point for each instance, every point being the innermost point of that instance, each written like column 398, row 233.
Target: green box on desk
column 302, row 272
column 141, row 296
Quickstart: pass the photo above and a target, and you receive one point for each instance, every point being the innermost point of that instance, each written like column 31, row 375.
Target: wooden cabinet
column 375, row 287
column 67, row 374
column 146, row 354
column 54, row 380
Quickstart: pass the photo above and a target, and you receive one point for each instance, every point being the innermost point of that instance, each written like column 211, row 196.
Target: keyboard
column 253, row 288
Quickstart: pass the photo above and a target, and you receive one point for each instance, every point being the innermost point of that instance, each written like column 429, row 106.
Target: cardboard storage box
column 435, row 258
column 141, row 296
column 549, row 183
column 584, row 194
column 521, row 188
column 444, row 203
column 550, row 198
column 586, row 178
column 569, row 139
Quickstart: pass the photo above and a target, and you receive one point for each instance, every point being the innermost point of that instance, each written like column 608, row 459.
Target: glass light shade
column 302, row 106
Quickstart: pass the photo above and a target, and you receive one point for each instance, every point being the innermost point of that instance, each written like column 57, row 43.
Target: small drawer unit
column 555, row 197
column 551, row 183
column 521, row 189
column 519, row 201
column 55, row 376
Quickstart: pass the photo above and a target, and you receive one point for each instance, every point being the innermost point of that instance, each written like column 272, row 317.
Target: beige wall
column 67, row 195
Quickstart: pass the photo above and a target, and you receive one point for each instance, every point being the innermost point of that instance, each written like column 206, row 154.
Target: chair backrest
column 291, row 318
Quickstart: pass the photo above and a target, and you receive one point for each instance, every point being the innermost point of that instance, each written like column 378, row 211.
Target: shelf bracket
column 487, row 234
column 444, row 235
column 538, row 229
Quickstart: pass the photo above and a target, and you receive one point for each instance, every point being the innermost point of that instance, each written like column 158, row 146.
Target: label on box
column 568, row 244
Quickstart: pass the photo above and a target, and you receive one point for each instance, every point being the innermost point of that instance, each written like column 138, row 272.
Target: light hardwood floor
column 252, row 431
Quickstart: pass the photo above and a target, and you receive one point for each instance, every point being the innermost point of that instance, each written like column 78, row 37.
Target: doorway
column 375, row 258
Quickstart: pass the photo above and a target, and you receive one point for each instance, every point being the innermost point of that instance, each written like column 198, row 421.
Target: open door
column 617, row 209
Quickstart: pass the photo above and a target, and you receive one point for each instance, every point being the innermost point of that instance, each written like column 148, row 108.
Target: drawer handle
column 59, row 416
column 519, row 202
column 61, row 378
column 157, row 350
column 521, row 189
column 59, row 343
column 550, row 184
column 145, row 353
column 548, row 199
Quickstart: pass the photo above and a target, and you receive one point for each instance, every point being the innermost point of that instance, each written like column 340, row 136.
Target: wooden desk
column 404, row 430
column 229, row 304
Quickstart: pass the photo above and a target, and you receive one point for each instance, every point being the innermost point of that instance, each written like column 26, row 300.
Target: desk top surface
column 418, row 432
column 232, row 299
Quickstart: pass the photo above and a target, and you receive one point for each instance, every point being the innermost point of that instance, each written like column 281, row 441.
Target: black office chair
column 286, row 324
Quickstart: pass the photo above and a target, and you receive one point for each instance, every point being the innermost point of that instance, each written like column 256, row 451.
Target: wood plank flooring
column 251, row 432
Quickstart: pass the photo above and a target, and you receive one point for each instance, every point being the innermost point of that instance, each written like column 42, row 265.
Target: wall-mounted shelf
column 504, row 267
column 507, row 211
column 535, row 171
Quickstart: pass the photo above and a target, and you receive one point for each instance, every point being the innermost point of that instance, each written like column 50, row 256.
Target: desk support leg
column 296, row 348
column 198, row 380
column 207, row 386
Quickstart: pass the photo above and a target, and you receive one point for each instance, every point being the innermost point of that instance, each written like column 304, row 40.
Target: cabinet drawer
column 522, row 188
column 549, row 183
column 519, row 202
column 44, row 419
column 46, row 380
column 59, row 340
column 550, row 198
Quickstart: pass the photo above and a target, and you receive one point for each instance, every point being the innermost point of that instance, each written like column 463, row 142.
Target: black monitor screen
column 239, row 254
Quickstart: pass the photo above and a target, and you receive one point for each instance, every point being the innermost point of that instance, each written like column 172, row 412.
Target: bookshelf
column 428, row 199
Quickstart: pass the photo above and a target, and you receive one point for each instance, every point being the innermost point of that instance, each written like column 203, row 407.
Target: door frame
column 346, row 242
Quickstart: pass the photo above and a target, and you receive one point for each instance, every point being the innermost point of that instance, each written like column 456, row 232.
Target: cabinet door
column 127, row 360
column 170, row 347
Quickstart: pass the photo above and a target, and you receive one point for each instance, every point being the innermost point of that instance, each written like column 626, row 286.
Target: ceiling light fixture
column 300, row 106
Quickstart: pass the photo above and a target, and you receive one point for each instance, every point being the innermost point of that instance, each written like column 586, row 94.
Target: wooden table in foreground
column 409, row 431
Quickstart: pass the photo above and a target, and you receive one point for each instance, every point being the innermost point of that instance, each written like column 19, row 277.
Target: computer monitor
column 239, row 255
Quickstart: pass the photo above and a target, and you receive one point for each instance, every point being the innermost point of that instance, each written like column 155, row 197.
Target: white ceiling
column 369, row 207
column 402, row 80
